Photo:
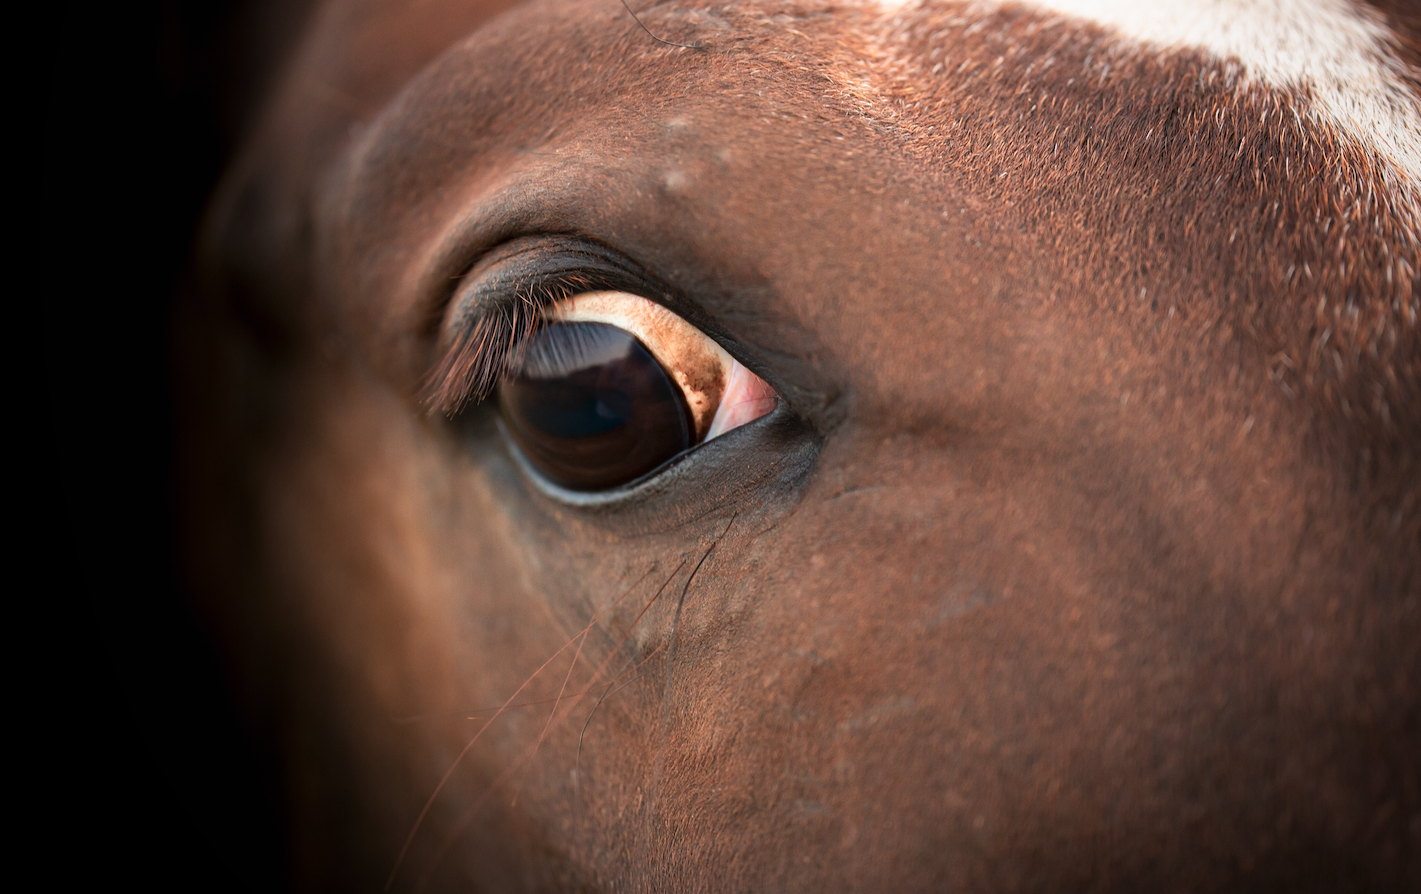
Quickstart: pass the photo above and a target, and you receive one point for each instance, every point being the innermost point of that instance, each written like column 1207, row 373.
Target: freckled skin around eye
column 699, row 366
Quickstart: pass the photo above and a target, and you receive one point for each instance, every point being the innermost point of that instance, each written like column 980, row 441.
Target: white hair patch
column 1334, row 50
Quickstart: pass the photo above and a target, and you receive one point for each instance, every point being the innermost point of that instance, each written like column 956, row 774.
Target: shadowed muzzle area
column 1068, row 557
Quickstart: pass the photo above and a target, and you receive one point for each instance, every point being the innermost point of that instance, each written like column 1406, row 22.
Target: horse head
column 809, row 446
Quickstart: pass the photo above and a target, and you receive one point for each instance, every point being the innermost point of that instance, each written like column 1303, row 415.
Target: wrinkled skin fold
column 1064, row 563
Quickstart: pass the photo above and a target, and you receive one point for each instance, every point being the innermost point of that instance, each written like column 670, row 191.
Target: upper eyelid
column 530, row 265
column 500, row 301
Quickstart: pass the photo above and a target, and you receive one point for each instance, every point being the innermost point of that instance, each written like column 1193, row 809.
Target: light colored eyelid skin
column 720, row 392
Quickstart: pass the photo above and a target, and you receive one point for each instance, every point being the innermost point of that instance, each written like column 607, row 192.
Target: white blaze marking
column 1330, row 47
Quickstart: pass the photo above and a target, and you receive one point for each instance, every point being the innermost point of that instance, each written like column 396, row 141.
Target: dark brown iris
column 592, row 409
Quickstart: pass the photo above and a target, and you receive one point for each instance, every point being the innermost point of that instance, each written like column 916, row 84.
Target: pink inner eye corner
column 747, row 397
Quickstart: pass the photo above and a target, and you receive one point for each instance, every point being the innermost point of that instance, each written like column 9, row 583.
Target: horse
column 803, row 445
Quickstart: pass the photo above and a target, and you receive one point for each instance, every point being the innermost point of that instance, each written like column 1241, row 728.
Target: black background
column 137, row 768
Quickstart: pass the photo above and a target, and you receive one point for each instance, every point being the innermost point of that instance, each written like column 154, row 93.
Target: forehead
column 934, row 76
column 1338, row 62
column 560, row 82
column 1196, row 159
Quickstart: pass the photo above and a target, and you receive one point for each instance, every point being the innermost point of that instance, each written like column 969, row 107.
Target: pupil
column 592, row 409
column 572, row 412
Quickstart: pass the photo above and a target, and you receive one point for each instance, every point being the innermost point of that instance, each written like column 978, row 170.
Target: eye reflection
column 592, row 408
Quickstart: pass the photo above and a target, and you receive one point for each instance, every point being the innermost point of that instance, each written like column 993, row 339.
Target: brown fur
column 1082, row 555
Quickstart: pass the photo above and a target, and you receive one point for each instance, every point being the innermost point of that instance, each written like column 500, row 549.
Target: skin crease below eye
column 721, row 393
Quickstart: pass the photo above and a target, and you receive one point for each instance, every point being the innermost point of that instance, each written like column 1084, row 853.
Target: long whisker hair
column 444, row 781
column 670, row 43
column 531, row 750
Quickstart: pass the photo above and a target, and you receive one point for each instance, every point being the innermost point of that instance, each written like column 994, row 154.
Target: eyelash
column 513, row 287
column 588, row 413
column 508, row 295
column 489, row 345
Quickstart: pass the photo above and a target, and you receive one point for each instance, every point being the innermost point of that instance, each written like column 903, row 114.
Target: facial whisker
column 429, row 803
column 609, row 691
column 530, row 750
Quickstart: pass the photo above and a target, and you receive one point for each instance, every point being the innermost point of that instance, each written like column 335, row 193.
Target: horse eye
column 613, row 386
